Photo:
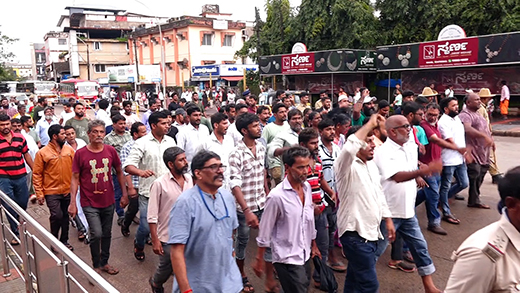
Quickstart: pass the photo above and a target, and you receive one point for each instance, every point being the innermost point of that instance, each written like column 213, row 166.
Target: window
column 127, row 47
column 206, row 39
column 62, row 41
column 228, row 41
column 99, row 68
column 97, row 46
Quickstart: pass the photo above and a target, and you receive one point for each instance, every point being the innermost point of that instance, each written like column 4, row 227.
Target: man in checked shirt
column 249, row 186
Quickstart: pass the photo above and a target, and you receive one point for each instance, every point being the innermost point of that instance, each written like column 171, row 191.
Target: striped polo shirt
column 12, row 164
column 313, row 178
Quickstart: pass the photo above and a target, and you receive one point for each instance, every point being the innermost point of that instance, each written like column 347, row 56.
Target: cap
column 246, row 93
column 369, row 99
column 342, row 97
column 48, row 108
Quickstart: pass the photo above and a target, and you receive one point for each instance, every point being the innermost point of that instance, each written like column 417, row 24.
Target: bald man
column 397, row 162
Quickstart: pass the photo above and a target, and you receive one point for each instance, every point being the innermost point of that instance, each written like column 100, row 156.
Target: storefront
column 226, row 75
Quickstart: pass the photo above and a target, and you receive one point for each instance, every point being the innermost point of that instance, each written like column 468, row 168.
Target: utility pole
column 257, row 31
column 88, row 56
column 137, row 81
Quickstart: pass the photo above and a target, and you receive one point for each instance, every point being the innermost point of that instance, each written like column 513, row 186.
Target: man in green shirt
column 37, row 112
column 79, row 122
column 364, row 107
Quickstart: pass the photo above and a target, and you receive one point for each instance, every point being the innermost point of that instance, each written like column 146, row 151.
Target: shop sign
column 461, row 52
column 298, row 63
column 205, row 70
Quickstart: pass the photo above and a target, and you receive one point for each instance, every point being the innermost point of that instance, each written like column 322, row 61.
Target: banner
column 398, row 57
column 298, row 63
column 461, row 52
column 270, row 65
column 499, row 49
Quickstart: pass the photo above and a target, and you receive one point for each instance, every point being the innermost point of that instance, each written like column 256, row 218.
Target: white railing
column 43, row 262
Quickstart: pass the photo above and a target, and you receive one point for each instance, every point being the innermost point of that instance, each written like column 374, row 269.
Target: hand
column 421, row 183
column 489, row 142
column 422, row 149
column 462, row 151
column 132, row 192
column 424, row 170
column 41, row 200
column 124, row 201
column 258, row 266
column 390, row 229
column 358, row 106
column 251, row 219
column 315, row 251
column 334, row 197
column 73, row 210
column 157, row 247
column 435, row 167
column 317, row 210
column 146, row 173
column 376, row 120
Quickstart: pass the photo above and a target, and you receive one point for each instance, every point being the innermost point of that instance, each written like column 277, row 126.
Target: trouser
column 493, row 167
column 361, row 270
column 164, row 268
column 30, row 185
column 412, row 235
column 294, row 278
column 17, row 190
column 430, row 195
column 131, row 210
column 117, row 195
column 476, row 173
column 325, row 224
column 504, row 107
column 100, row 224
column 448, row 190
column 58, row 205
column 276, row 174
column 242, row 237
column 144, row 230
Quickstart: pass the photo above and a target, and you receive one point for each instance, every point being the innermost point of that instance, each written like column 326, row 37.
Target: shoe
column 495, row 179
column 451, row 219
column 33, row 198
column 437, row 230
column 136, row 220
column 154, row 288
column 408, row 257
column 125, row 231
column 337, row 267
column 458, row 197
column 68, row 246
column 479, row 206
column 407, row 268
column 120, row 221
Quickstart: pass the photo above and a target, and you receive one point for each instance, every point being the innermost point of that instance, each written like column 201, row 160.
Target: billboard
column 461, row 52
column 128, row 74
column 298, row 63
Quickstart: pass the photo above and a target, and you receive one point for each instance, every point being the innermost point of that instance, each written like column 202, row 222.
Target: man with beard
column 251, row 101
column 52, row 175
column 43, row 125
column 414, row 113
column 195, row 100
column 283, row 141
column 319, row 103
column 7, row 109
column 192, row 135
column 430, row 193
column 79, row 122
column 163, row 194
column 219, row 142
column 452, row 130
column 304, row 102
column 249, row 186
column 155, row 105
column 263, row 114
column 37, row 112
column 130, row 117
column 28, row 129
column 200, row 231
column 480, row 142
column 363, row 108
column 309, row 139
column 326, row 105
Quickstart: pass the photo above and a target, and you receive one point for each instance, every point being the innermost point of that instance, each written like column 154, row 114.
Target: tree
column 353, row 25
column 482, row 17
column 5, row 55
column 277, row 30
column 251, row 47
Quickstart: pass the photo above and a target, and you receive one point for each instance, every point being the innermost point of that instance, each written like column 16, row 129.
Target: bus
column 82, row 90
column 8, row 87
column 40, row 88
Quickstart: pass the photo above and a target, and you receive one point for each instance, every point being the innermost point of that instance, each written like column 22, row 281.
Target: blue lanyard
column 207, row 207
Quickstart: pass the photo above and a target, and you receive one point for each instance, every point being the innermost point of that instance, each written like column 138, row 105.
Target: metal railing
column 43, row 269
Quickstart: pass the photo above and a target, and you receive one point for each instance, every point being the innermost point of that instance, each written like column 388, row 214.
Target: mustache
column 218, row 176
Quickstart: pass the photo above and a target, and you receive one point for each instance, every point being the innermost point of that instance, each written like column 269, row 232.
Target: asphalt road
column 133, row 276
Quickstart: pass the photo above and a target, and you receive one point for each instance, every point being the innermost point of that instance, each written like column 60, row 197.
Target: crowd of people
column 348, row 174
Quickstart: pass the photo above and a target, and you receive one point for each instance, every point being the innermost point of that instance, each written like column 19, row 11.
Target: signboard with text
column 205, row 70
column 298, row 63
column 461, row 52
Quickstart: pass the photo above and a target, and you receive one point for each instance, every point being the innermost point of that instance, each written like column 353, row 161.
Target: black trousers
column 58, row 205
column 131, row 211
column 476, row 174
column 294, row 278
column 100, row 225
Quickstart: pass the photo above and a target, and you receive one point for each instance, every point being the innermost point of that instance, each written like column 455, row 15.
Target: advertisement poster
column 298, row 63
column 461, row 52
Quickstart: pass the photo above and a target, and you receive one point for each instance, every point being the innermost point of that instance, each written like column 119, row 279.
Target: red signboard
column 298, row 63
column 461, row 52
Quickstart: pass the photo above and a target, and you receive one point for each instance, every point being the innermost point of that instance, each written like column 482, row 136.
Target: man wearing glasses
column 201, row 232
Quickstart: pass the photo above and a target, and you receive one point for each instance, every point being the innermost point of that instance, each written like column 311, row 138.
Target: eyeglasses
column 405, row 126
column 215, row 167
column 207, row 207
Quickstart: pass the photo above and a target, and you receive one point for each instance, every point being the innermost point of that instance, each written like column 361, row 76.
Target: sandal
column 451, row 219
column 15, row 242
column 125, row 231
column 81, row 236
column 247, row 285
column 109, row 269
column 139, row 253
column 275, row 289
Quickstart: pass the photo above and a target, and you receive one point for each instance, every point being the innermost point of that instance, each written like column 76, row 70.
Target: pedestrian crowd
column 348, row 174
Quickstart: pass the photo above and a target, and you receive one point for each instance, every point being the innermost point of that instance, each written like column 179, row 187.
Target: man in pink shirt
column 163, row 194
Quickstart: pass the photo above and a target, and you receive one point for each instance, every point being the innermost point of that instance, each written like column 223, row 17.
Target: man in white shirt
column 220, row 143
column 43, row 125
column 192, row 135
column 504, row 99
column 363, row 207
column 452, row 130
column 449, row 91
column 66, row 114
column 233, row 131
column 130, row 117
column 397, row 162
column 102, row 113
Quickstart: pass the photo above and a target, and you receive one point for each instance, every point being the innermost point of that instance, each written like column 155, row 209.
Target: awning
column 232, row 78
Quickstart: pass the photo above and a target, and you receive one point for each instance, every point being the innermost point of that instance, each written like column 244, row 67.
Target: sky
column 30, row 20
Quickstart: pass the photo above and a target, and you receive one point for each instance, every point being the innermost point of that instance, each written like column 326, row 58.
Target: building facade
column 38, row 61
column 56, row 54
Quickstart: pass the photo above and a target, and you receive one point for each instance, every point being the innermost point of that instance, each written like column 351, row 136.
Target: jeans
column 58, row 205
column 361, row 270
column 324, row 235
column 431, row 197
column 447, row 190
column 118, row 194
column 17, row 190
column 131, row 211
column 476, row 174
column 411, row 232
column 164, row 268
column 144, row 230
column 294, row 278
column 242, row 238
column 100, row 225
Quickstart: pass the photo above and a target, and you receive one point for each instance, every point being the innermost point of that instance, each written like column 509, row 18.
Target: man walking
column 155, row 105
column 163, row 194
column 288, row 225
column 43, row 125
column 52, row 175
column 504, row 99
column 130, row 117
column 192, row 135
column 146, row 161
column 201, row 230
column 79, row 122
column 91, row 169
column 248, row 185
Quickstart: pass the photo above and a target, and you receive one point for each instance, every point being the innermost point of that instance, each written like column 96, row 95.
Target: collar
column 175, row 179
column 113, row 133
column 393, row 144
column 286, row 185
column 3, row 137
column 510, row 230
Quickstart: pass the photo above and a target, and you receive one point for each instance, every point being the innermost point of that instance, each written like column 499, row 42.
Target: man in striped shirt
column 309, row 139
column 13, row 181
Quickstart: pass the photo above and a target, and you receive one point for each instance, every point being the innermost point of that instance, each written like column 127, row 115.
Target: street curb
column 506, row 133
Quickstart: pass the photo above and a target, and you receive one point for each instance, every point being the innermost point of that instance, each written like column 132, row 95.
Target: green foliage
column 252, row 82
column 6, row 73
